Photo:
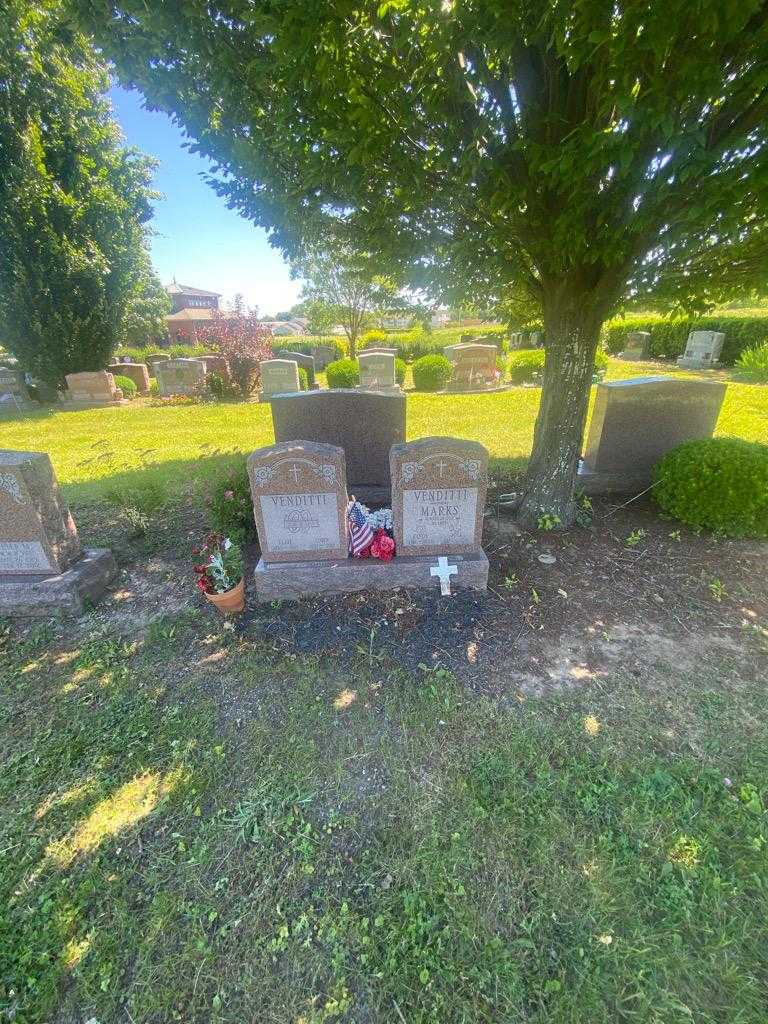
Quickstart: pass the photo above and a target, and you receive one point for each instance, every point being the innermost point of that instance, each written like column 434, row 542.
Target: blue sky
column 198, row 240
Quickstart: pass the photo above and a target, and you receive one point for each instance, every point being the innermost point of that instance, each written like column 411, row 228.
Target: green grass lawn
column 178, row 447
column 201, row 824
column 196, row 828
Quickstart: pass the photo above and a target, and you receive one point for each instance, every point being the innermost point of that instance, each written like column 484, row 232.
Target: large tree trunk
column 572, row 332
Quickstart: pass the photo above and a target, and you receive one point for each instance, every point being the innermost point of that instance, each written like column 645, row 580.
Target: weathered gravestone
column 637, row 345
column 180, row 377
column 380, row 348
column 377, row 372
column 279, row 377
column 324, row 354
column 137, row 372
column 306, row 362
column 439, row 486
column 158, row 357
column 474, row 367
column 702, row 350
column 636, row 421
column 43, row 568
column 94, row 390
column 215, row 363
column 14, row 396
column 299, row 492
column 364, row 424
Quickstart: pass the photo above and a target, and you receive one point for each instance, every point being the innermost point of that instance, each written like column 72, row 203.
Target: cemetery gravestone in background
column 180, row 377
column 137, row 372
column 279, row 377
column 636, row 421
column 92, row 390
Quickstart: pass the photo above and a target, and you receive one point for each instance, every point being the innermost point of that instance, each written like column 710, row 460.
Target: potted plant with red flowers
column 218, row 565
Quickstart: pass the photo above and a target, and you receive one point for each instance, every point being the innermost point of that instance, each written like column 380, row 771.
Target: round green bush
column 720, row 483
column 372, row 338
column 344, row 373
column 527, row 365
column 401, row 368
column 431, row 373
column 127, row 386
column 753, row 362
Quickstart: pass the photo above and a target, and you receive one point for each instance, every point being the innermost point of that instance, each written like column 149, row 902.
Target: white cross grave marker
column 444, row 572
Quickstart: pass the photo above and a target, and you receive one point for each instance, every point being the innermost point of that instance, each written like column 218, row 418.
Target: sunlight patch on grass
column 130, row 803
column 345, row 699
column 74, row 951
column 72, row 794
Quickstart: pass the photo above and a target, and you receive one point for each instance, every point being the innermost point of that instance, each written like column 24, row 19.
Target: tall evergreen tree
column 74, row 202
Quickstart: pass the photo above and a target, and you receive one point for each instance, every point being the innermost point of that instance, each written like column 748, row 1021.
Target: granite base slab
column 288, row 581
column 592, row 481
column 78, row 405
column 474, row 391
column 687, row 363
column 25, row 595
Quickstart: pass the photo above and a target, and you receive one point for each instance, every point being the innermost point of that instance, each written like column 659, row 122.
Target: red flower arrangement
column 383, row 547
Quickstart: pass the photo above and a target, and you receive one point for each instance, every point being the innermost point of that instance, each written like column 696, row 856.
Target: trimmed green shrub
column 127, row 386
column 230, row 505
column 219, row 388
column 372, row 338
column 743, row 329
column 431, row 373
column 401, row 369
column 753, row 362
column 306, row 342
column 344, row 373
column 154, row 387
column 719, row 483
column 303, row 379
column 527, row 365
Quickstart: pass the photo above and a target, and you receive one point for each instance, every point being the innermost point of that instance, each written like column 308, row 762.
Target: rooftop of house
column 184, row 289
column 198, row 313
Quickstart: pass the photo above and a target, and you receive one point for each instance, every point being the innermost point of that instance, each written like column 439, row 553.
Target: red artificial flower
column 204, row 585
column 383, row 546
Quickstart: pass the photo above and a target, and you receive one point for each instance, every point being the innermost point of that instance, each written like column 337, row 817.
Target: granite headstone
column 637, row 345
column 305, row 361
column 180, row 377
column 636, row 421
column 92, row 390
column 474, row 366
column 377, row 371
column 702, row 350
column 279, row 377
column 13, row 391
column 299, row 492
column 137, row 372
column 438, row 495
column 215, row 363
column 324, row 354
column 364, row 424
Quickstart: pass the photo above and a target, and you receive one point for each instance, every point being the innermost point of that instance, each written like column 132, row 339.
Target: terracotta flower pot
column 232, row 602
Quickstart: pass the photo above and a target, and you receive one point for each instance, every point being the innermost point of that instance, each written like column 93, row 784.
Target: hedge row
column 743, row 329
column 413, row 344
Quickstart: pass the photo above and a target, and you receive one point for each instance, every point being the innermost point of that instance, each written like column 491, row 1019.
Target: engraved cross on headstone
column 295, row 472
column 444, row 572
column 441, row 466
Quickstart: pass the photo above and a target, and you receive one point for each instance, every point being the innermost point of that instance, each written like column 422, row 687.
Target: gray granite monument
column 43, row 568
column 636, row 421
column 364, row 424
column 14, row 396
column 702, row 350
column 637, row 346
column 377, row 372
column 305, row 362
column 180, row 377
column 279, row 377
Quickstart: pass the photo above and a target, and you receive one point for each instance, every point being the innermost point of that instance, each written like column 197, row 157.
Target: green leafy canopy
column 616, row 146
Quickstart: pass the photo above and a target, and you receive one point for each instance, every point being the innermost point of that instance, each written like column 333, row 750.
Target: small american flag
column 360, row 533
